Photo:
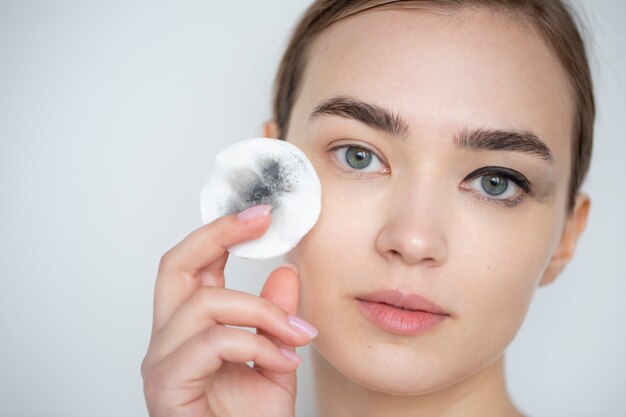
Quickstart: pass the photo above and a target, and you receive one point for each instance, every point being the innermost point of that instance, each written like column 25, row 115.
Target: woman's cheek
column 325, row 256
column 503, row 275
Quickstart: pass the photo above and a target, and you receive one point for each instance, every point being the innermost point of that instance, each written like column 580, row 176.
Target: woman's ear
column 573, row 229
column 271, row 130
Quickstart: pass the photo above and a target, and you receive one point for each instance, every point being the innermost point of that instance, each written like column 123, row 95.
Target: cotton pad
column 264, row 171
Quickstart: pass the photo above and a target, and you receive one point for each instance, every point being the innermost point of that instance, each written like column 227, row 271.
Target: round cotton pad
column 264, row 171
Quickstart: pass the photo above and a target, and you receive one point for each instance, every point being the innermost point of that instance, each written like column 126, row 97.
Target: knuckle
column 152, row 383
column 214, row 336
column 268, row 311
column 220, row 337
column 166, row 260
column 205, row 295
column 144, row 368
column 211, row 335
column 259, row 342
column 264, row 346
column 147, row 369
column 258, row 304
column 263, row 343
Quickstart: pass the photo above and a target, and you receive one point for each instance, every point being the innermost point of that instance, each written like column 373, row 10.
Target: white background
column 110, row 113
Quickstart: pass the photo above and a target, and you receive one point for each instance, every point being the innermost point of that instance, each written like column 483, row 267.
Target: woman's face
column 399, row 211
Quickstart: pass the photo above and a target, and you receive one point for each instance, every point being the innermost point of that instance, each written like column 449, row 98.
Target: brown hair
column 555, row 20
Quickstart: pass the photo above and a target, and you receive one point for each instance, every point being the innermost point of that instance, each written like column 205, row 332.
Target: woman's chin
column 388, row 368
column 404, row 381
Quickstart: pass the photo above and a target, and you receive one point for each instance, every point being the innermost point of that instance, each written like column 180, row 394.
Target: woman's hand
column 195, row 365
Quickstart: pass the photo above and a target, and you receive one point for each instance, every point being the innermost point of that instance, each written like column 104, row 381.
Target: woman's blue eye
column 499, row 184
column 494, row 184
column 358, row 159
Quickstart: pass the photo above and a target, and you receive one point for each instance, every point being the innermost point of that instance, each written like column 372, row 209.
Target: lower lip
column 398, row 321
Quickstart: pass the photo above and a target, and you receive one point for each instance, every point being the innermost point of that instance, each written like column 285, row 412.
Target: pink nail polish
column 291, row 355
column 301, row 325
column 255, row 212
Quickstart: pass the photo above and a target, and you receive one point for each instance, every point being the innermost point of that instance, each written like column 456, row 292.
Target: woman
column 451, row 139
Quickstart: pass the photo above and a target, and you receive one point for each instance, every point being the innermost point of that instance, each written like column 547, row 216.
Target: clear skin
column 413, row 222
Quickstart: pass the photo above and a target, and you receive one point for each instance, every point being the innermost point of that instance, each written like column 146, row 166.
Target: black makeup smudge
column 266, row 185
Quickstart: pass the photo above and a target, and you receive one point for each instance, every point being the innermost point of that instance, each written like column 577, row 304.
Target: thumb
column 282, row 288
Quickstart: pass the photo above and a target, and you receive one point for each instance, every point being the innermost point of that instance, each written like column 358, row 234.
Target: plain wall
column 110, row 113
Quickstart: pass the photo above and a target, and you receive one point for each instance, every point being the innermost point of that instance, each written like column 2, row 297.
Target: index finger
column 200, row 259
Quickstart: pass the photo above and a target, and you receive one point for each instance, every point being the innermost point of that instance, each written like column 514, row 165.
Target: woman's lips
column 394, row 312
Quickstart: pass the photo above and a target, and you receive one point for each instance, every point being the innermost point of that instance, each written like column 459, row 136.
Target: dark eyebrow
column 481, row 139
column 372, row 115
column 504, row 140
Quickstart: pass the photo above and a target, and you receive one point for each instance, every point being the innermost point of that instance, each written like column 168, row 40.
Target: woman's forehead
column 473, row 68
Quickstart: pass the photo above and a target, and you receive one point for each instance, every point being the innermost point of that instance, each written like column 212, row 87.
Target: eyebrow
column 524, row 141
column 372, row 115
column 476, row 139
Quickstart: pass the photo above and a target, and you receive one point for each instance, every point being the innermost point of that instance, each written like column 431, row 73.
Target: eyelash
column 358, row 174
column 510, row 175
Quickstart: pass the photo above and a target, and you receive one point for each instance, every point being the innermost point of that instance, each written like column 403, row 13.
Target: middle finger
column 211, row 306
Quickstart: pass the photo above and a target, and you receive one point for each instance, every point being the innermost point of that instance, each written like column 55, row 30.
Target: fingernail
column 288, row 265
column 255, row 212
column 291, row 355
column 301, row 325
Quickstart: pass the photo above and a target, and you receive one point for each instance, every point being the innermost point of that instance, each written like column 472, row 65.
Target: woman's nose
column 414, row 230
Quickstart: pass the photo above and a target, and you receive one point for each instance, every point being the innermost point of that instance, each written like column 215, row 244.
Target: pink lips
column 397, row 313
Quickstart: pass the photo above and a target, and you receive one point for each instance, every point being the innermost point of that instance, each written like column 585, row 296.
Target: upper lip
column 397, row 299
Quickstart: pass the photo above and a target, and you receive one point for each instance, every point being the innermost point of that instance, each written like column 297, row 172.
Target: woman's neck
column 483, row 394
